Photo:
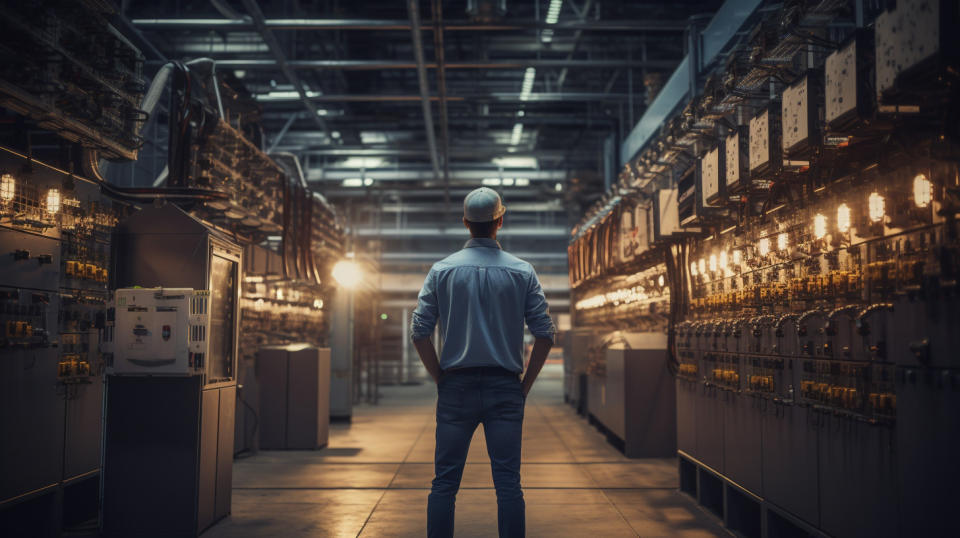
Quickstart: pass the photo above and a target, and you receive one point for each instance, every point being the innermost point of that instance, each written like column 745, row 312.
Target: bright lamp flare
column 922, row 191
column 764, row 246
column 713, row 263
column 819, row 226
column 723, row 259
column 661, row 281
column 8, row 187
column 53, row 201
column 783, row 241
column 702, row 266
column 693, row 268
column 737, row 257
column 876, row 205
column 843, row 218
column 347, row 273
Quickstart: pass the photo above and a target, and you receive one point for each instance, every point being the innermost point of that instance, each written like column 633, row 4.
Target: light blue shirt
column 481, row 297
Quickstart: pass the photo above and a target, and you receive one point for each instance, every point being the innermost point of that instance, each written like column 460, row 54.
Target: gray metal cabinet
column 294, row 383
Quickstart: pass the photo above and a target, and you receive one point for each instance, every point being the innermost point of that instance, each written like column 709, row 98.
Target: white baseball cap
column 483, row 205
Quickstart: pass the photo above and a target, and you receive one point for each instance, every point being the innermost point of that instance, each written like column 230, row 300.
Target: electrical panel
column 905, row 37
column 159, row 331
column 800, row 116
column 736, row 149
column 765, row 141
column 67, row 68
column 848, row 75
column 810, row 305
column 712, row 177
column 667, row 221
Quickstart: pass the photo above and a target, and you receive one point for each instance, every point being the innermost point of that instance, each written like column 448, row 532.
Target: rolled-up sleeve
column 426, row 313
column 536, row 311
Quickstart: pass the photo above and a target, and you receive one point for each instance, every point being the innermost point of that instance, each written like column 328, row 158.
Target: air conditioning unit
column 158, row 332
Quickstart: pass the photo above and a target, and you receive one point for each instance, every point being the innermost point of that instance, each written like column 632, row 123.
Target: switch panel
column 905, row 37
column 765, row 141
column 848, row 81
column 737, row 159
column 712, row 188
column 800, row 109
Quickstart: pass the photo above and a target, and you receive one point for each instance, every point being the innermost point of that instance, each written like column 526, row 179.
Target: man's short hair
column 482, row 229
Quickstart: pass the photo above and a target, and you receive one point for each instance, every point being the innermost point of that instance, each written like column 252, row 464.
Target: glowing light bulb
column 764, row 246
column 819, row 226
column 723, row 259
column 922, row 191
column 843, row 218
column 661, row 280
column 876, row 206
column 737, row 257
column 702, row 266
column 53, row 201
column 783, row 241
column 347, row 273
column 693, row 268
column 8, row 187
column 713, row 263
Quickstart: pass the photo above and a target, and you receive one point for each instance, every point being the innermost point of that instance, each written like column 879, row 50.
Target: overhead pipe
column 437, row 10
column 413, row 7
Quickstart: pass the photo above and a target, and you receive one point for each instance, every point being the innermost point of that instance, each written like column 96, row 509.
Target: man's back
column 481, row 296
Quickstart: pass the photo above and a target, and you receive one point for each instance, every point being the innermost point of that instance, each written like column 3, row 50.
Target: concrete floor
column 374, row 478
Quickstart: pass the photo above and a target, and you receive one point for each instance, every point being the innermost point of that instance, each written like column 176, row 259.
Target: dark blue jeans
column 492, row 397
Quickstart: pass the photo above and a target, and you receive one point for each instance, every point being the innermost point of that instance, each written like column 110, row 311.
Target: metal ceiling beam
column 466, row 152
column 259, row 22
column 503, row 97
column 553, row 206
column 379, row 65
column 422, row 192
column 471, row 176
column 391, row 256
column 515, row 231
column 413, row 9
column 394, row 123
column 406, row 25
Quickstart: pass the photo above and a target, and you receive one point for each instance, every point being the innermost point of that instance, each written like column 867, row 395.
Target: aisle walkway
column 374, row 478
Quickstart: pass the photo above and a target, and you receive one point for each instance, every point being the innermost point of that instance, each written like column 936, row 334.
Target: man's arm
column 423, row 321
column 537, row 316
column 541, row 348
column 428, row 356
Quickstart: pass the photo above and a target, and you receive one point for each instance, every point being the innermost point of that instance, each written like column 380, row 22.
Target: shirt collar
column 482, row 242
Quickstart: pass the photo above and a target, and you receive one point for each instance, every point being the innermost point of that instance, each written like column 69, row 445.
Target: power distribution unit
column 169, row 439
column 635, row 399
column 294, row 383
column 159, row 331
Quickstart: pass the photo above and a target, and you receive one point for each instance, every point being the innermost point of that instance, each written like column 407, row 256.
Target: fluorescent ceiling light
column 373, row 137
column 522, row 182
column 553, row 12
column 558, row 187
column 353, row 182
column 516, row 162
column 528, row 78
column 367, row 182
column 284, row 95
column 553, row 15
column 491, row 181
column 517, row 133
column 361, row 162
column 507, row 182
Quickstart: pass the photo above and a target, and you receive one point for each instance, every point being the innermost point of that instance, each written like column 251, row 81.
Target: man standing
column 481, row 297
